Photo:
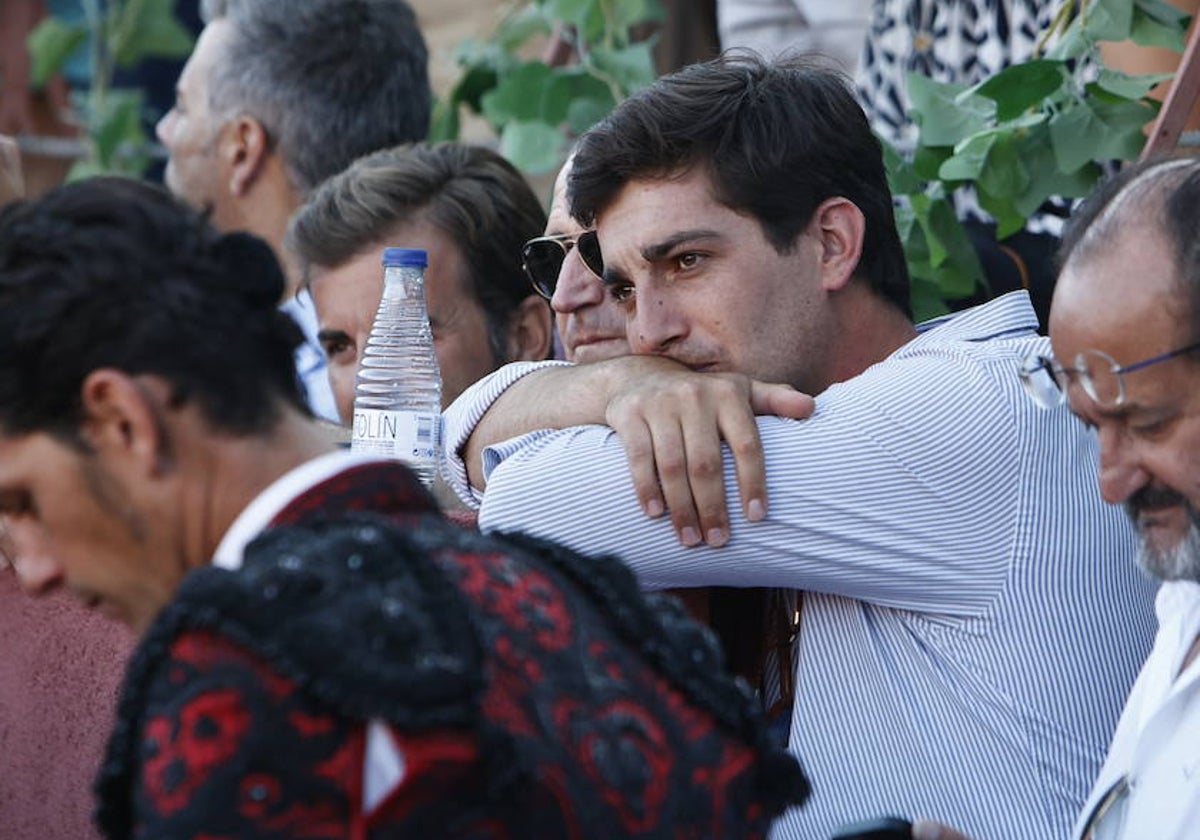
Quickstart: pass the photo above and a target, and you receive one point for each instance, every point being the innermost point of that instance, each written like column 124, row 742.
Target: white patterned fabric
column 972, row 617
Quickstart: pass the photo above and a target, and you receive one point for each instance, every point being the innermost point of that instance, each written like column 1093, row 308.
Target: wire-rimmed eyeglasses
column 542, row 258
column 1102, row 379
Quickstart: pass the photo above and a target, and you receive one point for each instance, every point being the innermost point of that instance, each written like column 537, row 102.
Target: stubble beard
column 1182, row 560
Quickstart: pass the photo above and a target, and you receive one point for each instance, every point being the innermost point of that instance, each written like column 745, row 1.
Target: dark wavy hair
column 116, row 273
column 777, row 139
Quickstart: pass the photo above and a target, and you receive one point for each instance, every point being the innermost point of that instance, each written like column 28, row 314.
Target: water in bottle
column 398, row 388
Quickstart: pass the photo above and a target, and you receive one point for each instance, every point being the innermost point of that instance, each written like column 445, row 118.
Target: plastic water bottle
column 398, row 388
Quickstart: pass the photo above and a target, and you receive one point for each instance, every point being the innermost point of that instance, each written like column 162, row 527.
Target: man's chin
column 1170, row 544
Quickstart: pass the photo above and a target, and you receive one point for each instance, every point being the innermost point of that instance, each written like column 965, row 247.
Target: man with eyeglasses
column 1123, row 325
column 955, row 564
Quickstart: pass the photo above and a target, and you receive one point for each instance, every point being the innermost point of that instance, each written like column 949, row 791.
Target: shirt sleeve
column 903, row 490
column 462, row 416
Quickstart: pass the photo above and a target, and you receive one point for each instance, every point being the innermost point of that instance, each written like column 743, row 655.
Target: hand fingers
column 780, row 400
column 740, row 431
column 639, row 454
column 705, row 463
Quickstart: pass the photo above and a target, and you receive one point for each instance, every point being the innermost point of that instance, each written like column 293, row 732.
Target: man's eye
column 621, row 292
column 1151, row 428
column 689, row 260
column 335, row 346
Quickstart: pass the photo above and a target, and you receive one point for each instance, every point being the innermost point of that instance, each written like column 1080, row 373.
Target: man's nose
column 162, row 129
column 1121, row 473
column 656, row 325
column 27, row 551
column 577, row 287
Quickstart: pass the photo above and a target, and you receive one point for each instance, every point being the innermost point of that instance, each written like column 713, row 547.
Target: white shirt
column 1156, row 748
column 383, row 763
column 311, row 364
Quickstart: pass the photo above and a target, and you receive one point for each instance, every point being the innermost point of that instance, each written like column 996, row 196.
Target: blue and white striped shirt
column 972, row 617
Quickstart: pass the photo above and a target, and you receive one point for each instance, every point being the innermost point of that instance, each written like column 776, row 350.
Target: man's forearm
column 549, row 398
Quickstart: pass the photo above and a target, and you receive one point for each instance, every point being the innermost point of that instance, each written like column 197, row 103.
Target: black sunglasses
column 543, row 258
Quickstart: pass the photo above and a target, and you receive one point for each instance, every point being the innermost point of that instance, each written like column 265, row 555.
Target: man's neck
column 869, row 329
column 227, row 473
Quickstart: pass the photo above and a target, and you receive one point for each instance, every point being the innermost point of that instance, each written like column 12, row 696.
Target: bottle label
column 410, row 436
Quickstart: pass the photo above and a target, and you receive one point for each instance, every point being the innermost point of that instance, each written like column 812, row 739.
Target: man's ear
column 839, row 227
column 531, row 331
column 122, row 418
column 244, row 149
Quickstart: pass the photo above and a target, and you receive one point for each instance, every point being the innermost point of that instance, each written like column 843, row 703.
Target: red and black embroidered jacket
column 532, row 693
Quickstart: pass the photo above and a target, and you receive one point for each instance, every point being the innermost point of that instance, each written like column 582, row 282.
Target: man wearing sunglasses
column 943, row 530
column 1123, row 326
column 590, row 324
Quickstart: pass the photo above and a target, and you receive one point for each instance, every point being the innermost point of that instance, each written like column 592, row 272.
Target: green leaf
column 532, row 146
column 1127, row 86
column 444, row 123
column 927, row 161
column 473, row 85
column 921, row 206
column 626, row 13
column 926, row 300
column 118, row 123
column 85, row 168
column 585, row 112
column 632, row 67
column 518, row 96
column 572, row 11
column 1073, row 135
column 517, row 28
column 50, row 44
column 1108, row 20
column 1021, row 86
column 902, row 178
column 959, row 270
column 943, row 118
column 1158, row 24
column 1045, row 178
column 1009, row 220
column 968, row 160
column 1072, row 44
column 149, row 28
column 1123, row 137
column 1004, row 174
column 557, row 94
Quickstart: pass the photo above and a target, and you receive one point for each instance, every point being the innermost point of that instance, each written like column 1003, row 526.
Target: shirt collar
column 257, row 515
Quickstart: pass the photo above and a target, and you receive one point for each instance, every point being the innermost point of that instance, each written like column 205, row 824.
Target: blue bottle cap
column 412, row 257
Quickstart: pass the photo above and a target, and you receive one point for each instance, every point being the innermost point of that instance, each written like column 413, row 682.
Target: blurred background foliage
column 593, row 54
column 112, row 34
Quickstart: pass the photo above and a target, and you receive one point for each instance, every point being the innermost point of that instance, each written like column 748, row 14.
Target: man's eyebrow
column 659, row 250
column 331, row 335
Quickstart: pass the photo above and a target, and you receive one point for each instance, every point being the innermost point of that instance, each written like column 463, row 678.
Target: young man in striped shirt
column 956, row 564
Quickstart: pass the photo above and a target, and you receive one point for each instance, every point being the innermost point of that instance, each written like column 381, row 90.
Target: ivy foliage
column 536, row 107
column 117, row 34
column 1037, row 129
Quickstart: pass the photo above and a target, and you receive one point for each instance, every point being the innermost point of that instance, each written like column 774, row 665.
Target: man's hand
column 672, row 421
column 930, row 830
